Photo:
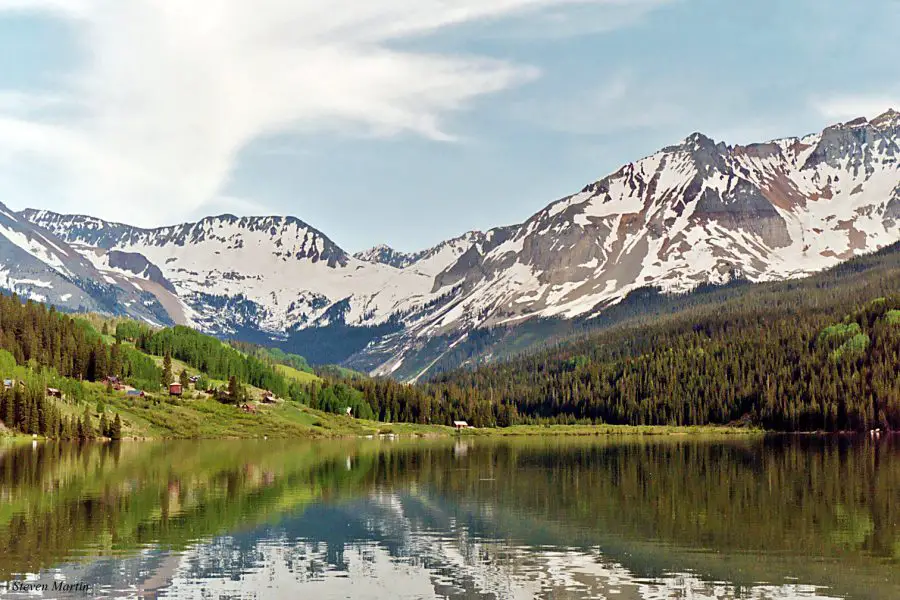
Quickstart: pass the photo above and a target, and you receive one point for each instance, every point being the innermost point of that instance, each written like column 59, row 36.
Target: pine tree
column 104, row 426
column 19, row 408
column 184, row 380
column 87, row 430
column 115, row 359
column 233, row 389
column 33, row 419
column 167, row 370
column 116, row 429
column 6, row 409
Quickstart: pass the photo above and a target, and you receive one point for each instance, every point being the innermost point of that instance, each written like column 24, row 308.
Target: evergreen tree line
column 205, row 353
column 27, row 410
column 35, row 334
column 56, row 350
column 796, row 363
column 337, row 397
column 800, row 355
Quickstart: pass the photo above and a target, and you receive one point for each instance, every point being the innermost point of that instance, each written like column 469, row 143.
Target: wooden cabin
column 54, row 393
column 248, row 408
column 460, row 425
column 175, row 389
column 268, row 398
column 114, row 383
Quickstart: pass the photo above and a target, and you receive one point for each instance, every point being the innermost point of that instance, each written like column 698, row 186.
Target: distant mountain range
column 694, row 213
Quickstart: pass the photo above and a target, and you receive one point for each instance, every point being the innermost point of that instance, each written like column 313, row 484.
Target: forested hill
column 820, row 353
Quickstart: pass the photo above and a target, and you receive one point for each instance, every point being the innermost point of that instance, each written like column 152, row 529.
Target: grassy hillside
column 302, row 377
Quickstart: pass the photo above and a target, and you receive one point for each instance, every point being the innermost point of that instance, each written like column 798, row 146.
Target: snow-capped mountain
column 385, row 255
column 38, row 266
column 263, row 273
column 431, row 260
column 699, row 212
column 696, row 212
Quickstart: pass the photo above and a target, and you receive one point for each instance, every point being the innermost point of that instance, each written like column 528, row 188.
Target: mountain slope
column 818, row 354
column 39, row 266
column 694, row 213
column 698, row 212
column 261, row 273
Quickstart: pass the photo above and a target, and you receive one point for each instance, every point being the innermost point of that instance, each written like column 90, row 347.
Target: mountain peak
column 890, row 118
column 699, row 139
column 698, row 143
column 385, row 255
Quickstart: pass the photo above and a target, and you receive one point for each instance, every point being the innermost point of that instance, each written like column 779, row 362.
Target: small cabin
column 194, row 378
column 268, row 398
column 248, row 408
column 460, row 425
column 175, row 389
column 54, row 393
column 114, row 383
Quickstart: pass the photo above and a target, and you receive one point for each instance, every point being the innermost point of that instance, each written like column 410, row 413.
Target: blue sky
column 404, row 121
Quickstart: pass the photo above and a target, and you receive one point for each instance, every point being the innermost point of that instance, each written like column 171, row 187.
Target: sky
column 405, row 122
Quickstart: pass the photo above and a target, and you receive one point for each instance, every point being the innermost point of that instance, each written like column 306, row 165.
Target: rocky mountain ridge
column 696, row 212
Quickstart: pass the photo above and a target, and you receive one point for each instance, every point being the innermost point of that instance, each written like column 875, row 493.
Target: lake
column 617, row 518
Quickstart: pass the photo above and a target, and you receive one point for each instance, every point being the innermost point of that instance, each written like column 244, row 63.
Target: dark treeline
column 787, row 372
column 794, row 356
column 205, row 353
column 25, row 407
column 37, row 335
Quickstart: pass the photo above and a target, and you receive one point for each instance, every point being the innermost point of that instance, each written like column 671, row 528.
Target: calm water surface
column 623, row 519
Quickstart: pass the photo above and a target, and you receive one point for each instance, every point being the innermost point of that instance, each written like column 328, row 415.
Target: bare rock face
column 692, row 213
column 139, row 266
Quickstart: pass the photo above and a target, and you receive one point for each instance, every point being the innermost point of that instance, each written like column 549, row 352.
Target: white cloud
column 171, row 90
column 848, row 107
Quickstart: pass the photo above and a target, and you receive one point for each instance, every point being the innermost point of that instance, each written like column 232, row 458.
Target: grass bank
column 197, row 416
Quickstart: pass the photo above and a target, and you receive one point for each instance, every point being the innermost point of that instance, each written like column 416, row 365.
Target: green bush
column 853, row 348
column 839, row 333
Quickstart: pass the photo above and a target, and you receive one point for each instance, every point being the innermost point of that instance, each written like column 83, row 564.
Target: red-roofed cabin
column 175, row 389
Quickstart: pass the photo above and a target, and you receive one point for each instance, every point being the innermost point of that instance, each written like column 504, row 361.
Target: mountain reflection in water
column 599, row 518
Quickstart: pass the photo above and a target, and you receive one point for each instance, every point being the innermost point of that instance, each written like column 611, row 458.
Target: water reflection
column 658, row 518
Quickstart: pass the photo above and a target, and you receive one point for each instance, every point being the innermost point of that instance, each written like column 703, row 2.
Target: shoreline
column 374, row 430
